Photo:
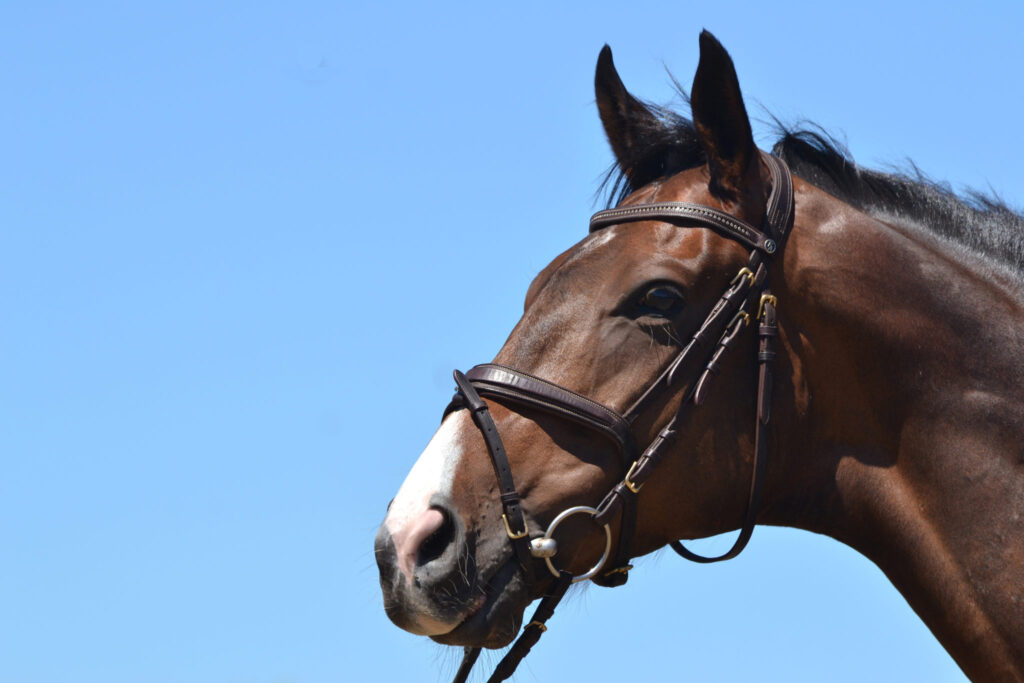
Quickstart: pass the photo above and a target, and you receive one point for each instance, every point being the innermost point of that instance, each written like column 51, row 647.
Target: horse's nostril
column 423, row 540
column 435, row 544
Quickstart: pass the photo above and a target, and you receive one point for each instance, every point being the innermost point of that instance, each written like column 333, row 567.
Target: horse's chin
column 495, row 621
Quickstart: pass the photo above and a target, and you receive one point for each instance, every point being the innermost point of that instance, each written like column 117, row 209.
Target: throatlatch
column 690, row 372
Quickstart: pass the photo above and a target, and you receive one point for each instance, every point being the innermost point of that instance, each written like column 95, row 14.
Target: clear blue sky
column 230, row 239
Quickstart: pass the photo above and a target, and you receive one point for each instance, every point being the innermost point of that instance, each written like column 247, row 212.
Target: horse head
column 603, row 321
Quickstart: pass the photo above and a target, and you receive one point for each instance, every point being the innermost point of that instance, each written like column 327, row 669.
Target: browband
column 780, row 204
column 670, row 212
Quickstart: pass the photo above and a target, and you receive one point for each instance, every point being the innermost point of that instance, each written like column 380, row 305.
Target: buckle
column 766, row 299
column 739, row 315
column 744, row 273
column 635, row 488
column 515, row 536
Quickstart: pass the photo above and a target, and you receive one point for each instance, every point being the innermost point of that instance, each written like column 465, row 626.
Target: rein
column 690, row 372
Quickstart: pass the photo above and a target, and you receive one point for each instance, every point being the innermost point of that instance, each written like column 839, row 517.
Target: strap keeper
column 610, row 506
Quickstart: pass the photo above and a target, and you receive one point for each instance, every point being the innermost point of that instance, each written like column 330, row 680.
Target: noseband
column 689, row 372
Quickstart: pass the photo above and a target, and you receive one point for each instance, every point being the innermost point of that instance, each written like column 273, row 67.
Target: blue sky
column 232, row 240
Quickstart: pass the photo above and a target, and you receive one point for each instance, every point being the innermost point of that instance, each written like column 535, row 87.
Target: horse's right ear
column 723, row 126
column 630, row 126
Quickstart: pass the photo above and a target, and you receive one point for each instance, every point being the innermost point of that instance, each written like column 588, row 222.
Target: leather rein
column 689, row 372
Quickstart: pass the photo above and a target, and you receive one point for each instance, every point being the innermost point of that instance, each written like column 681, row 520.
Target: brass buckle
column 635, row 488
column 740, row 314
column 766, row 299
column 515, row 536
column 744, row 272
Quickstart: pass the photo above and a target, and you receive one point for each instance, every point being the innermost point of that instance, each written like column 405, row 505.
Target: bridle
column 690, row 372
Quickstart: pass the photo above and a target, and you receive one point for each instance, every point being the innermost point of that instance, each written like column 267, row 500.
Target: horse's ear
column 722, row 124
column 630, row 126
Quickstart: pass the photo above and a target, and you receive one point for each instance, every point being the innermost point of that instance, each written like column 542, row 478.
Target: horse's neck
column 908, row 414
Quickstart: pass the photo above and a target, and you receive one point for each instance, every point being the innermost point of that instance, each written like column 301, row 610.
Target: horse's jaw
column 495, row 617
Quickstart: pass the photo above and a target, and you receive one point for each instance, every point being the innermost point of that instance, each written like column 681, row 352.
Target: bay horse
column 875, row 395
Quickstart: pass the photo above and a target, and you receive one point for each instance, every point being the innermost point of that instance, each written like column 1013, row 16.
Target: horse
column 877, row 399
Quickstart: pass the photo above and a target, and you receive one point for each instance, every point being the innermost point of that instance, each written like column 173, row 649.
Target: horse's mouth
column 494, row 618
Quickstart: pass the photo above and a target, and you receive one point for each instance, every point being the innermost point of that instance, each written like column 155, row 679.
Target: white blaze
column 432, row 474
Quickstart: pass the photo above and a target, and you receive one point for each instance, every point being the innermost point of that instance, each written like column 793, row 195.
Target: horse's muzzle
column 425, row 572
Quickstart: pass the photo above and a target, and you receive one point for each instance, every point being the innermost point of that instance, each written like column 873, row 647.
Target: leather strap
column 767, row 333
column 527, row 639
column 505, row 384
column 685, row 212
column 780, row 209
column 469, row 657
column 533, row 630
column 779, row 216
column 515, row 522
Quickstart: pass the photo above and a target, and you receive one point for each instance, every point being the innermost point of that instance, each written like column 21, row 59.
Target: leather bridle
column 689, row 372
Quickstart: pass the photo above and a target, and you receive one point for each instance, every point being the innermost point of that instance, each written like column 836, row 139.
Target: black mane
column 976, row 222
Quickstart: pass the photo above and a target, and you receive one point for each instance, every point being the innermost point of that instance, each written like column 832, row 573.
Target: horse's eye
column 661, row 300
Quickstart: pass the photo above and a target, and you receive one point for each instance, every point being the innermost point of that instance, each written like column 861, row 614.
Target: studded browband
column 690, row 372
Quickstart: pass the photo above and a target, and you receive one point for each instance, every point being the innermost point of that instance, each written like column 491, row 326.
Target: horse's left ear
column 634, row 132
column 723, row 126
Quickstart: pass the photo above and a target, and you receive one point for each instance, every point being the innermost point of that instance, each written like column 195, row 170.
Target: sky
column 235, row 243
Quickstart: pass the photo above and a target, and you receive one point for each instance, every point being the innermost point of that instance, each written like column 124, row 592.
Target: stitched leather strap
column 779, row 216
column 508, row 385
column 780, row 207
column 685, row 212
